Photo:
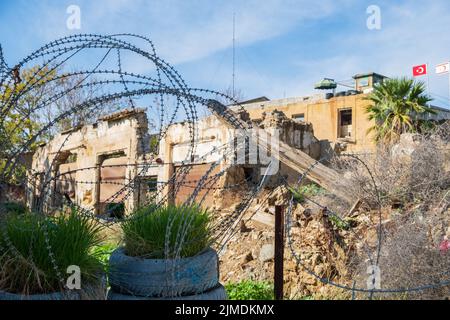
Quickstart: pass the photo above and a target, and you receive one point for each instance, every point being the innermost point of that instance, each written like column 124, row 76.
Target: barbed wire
column 125, row 86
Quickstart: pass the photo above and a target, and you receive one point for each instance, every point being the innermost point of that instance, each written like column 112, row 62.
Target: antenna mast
column 234, row 54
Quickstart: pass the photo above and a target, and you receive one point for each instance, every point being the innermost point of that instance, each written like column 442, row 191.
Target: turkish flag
column 420, row 70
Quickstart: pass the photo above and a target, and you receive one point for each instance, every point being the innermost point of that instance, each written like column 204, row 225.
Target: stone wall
column 74, row 161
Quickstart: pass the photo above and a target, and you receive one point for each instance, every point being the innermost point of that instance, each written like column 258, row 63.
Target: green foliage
column 426, row 126
column 342, row 223
column 250, row 290
column 103, row 252
column 20, row 122
column 395, row 104
column 154, row 144
column 306, row 191
column 27, row 268
column 13, row 207
column 116, row 210
column 146, row 231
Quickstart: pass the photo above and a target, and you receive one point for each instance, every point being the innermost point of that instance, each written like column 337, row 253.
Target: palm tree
column 395, row 106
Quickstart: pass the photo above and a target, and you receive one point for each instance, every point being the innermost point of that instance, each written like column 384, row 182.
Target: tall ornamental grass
column 185, row 227
column 27, row 243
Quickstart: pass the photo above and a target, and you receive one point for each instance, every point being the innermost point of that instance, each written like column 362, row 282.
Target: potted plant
column 167, row 254
column 36, row 251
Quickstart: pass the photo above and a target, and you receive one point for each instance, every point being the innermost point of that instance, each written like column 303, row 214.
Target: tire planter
column 217, row 293
column 92, row 292
column 160, row 278
column 50, row 296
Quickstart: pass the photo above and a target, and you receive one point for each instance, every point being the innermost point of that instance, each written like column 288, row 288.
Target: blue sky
column 283, row 46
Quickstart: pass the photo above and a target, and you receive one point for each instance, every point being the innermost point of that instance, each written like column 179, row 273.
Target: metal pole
column 279, row 252
column 234, row 55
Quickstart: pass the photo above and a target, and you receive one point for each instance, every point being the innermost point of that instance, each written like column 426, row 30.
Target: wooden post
column 279, row 252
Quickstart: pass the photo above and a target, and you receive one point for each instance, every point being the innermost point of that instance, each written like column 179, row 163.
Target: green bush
column 306, row 191
column 115, row 210
column 27, row 268
column 13, row 207
column 145, row 231
column 103, row 252
column 250, row 290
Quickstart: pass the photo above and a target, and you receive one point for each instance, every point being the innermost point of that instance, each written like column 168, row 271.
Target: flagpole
column 448, row 87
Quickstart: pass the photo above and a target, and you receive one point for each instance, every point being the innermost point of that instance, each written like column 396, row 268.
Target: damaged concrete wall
column 212, row 134
column 80, row 158
column 296, row 134
column 92, row 164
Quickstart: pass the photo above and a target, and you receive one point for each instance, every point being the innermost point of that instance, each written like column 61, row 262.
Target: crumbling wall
column 72, row 162
column 297, row 134
column 215, row 142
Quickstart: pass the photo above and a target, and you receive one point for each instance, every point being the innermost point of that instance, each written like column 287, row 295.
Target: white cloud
column 192, row 32
column 184, row 30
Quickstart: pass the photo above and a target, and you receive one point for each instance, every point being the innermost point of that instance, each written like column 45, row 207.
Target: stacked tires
column 193, row 278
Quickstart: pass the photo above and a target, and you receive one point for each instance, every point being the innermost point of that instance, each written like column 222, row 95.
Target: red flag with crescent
column 420, row 70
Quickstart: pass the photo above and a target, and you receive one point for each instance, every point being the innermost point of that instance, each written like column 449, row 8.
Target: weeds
column 305, row 191
column 250, row 290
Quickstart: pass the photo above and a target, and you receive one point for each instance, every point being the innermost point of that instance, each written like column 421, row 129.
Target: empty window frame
column 345, row 123
column 299, row 117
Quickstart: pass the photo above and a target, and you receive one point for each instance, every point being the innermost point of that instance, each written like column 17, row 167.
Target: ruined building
column 92, row 164
column 337, row 117
column 110, row 161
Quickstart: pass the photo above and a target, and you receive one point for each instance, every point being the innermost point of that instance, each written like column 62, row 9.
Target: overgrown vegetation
column 306, row 191
column 13, row 207
column 27, row 266
column 103, row 251
column 411, row 172
column 187, row 228
column 410, row 258
column 115, row 210
column 408, row 185
column 250, row 290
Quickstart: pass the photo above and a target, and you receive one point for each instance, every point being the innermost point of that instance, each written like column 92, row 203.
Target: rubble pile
column 317, row 243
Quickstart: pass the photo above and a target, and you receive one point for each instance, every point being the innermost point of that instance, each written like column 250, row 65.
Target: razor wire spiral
column 126, row 87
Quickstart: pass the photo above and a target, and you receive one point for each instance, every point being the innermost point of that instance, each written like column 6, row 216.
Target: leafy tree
column 19, row 121
column 33, row 100
column 396, row 106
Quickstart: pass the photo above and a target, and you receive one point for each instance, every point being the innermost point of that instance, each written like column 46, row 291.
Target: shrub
column 27, row 268
column 413, row 171
column 250, row 290
column 410, row 258
column 103, row 252
column 115, row 210
column 13, row 207
column 187, row 228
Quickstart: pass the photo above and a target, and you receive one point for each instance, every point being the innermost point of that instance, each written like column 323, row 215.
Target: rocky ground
column 320, row 246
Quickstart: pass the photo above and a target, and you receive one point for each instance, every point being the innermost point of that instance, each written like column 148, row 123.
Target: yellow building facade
column 338, row 119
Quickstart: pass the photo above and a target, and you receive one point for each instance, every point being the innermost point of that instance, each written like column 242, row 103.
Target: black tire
column 96, row 291
column 217, row 293
column 153, row 277
column 50, row 296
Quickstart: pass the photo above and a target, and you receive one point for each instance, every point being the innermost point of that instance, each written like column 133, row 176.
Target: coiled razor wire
column 56, row 55
column 328, row 281
column 127, row 86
